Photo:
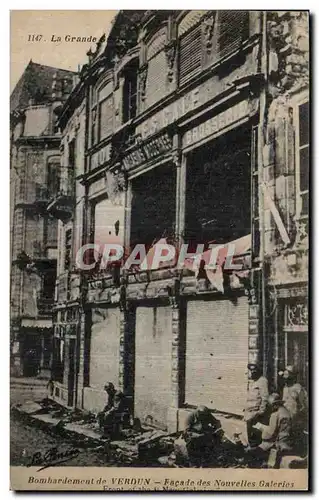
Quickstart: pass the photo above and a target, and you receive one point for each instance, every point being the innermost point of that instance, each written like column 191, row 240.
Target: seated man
column 110, row 391
column 275, row 436
column 202, row 434
column 113, row 418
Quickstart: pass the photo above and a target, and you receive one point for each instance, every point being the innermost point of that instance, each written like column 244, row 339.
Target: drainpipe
column 261, row 142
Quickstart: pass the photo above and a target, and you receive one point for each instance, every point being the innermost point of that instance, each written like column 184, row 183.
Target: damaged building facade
column 34, row 175
column 185, row 127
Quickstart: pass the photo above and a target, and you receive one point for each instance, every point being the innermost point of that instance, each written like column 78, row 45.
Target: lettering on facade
column 216, row 123
column 148, row 151
column 190, row 101
column 100, row 157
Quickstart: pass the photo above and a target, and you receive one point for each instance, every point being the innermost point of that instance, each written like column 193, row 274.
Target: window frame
column 128, row 95
column 296, row 104
column 96, row 102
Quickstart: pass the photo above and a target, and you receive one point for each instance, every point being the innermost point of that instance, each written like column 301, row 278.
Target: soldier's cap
column 119, row 395
column 109, row 385
column 274, row 398
column 291, row 369
column 203, row 409
column 253, row 366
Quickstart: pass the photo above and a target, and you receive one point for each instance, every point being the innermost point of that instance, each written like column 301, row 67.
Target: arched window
column 156, row 68
column 102, row 112
column 190, row 45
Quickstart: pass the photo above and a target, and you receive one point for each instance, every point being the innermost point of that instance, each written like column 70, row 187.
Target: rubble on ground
column 135, row 446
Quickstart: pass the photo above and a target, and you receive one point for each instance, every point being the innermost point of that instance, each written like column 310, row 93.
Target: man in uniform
column 110, row 391
column 257, row 400
column 276, row 437
column 202, row 434
column 296, row 401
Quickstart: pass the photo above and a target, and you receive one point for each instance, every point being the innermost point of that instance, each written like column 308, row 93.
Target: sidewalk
column 58, row 420
column 27, row 381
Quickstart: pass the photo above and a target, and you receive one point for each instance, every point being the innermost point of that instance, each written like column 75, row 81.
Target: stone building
column 35, row 160
column 195, row 130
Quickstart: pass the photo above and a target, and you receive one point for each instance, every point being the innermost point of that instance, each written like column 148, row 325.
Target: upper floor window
column 68, row 177
column 233, row 29
column 67, row 249
column 53, row 178
column 157, row 70
column 130, row 90
column 302, row 158
column 102, row 113
column 205, row 37
column 190, row 45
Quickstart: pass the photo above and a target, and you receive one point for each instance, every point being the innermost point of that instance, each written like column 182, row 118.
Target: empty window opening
column 218, row 190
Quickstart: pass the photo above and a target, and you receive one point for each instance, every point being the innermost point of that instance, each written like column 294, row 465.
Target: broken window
column 153, row 206
column 218, row 190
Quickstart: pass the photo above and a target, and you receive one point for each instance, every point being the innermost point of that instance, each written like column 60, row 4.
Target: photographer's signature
column 52, row 457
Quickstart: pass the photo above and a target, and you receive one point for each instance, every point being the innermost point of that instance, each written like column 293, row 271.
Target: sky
column 57, row 23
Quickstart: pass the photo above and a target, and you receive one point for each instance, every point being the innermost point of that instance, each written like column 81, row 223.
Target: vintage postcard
column 159, row 250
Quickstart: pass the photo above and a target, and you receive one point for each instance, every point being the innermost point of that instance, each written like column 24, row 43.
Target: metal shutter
column 217, row 354
column 105, row 347
column 233, row 29
column 190, row 54
column 153, row 363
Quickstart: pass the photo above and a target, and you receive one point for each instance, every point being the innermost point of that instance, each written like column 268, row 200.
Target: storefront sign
column 190, row 101
column 100, row 157
column 148, row 151
column 216, row 123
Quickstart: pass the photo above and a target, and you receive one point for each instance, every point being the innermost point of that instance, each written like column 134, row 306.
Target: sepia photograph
column 159, row 220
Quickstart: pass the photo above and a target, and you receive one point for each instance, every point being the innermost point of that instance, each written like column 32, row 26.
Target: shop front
column 103, row 355
column 217, row 353
column 153, row 344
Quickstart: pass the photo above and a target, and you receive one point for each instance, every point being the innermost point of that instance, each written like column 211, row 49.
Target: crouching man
column 276, row 437
column 201, row 436
column 111, row 420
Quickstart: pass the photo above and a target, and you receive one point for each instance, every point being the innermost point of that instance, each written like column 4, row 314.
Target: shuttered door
column 190, row 54
column 105, row 347
column 233, row 29
column 153, row 364
column 217, row 354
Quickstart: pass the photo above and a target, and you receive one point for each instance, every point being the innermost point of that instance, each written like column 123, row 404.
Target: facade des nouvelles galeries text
column 184, row 127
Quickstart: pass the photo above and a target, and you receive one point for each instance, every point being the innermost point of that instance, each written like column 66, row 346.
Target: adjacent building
column 35, row 165
column 185, row 127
